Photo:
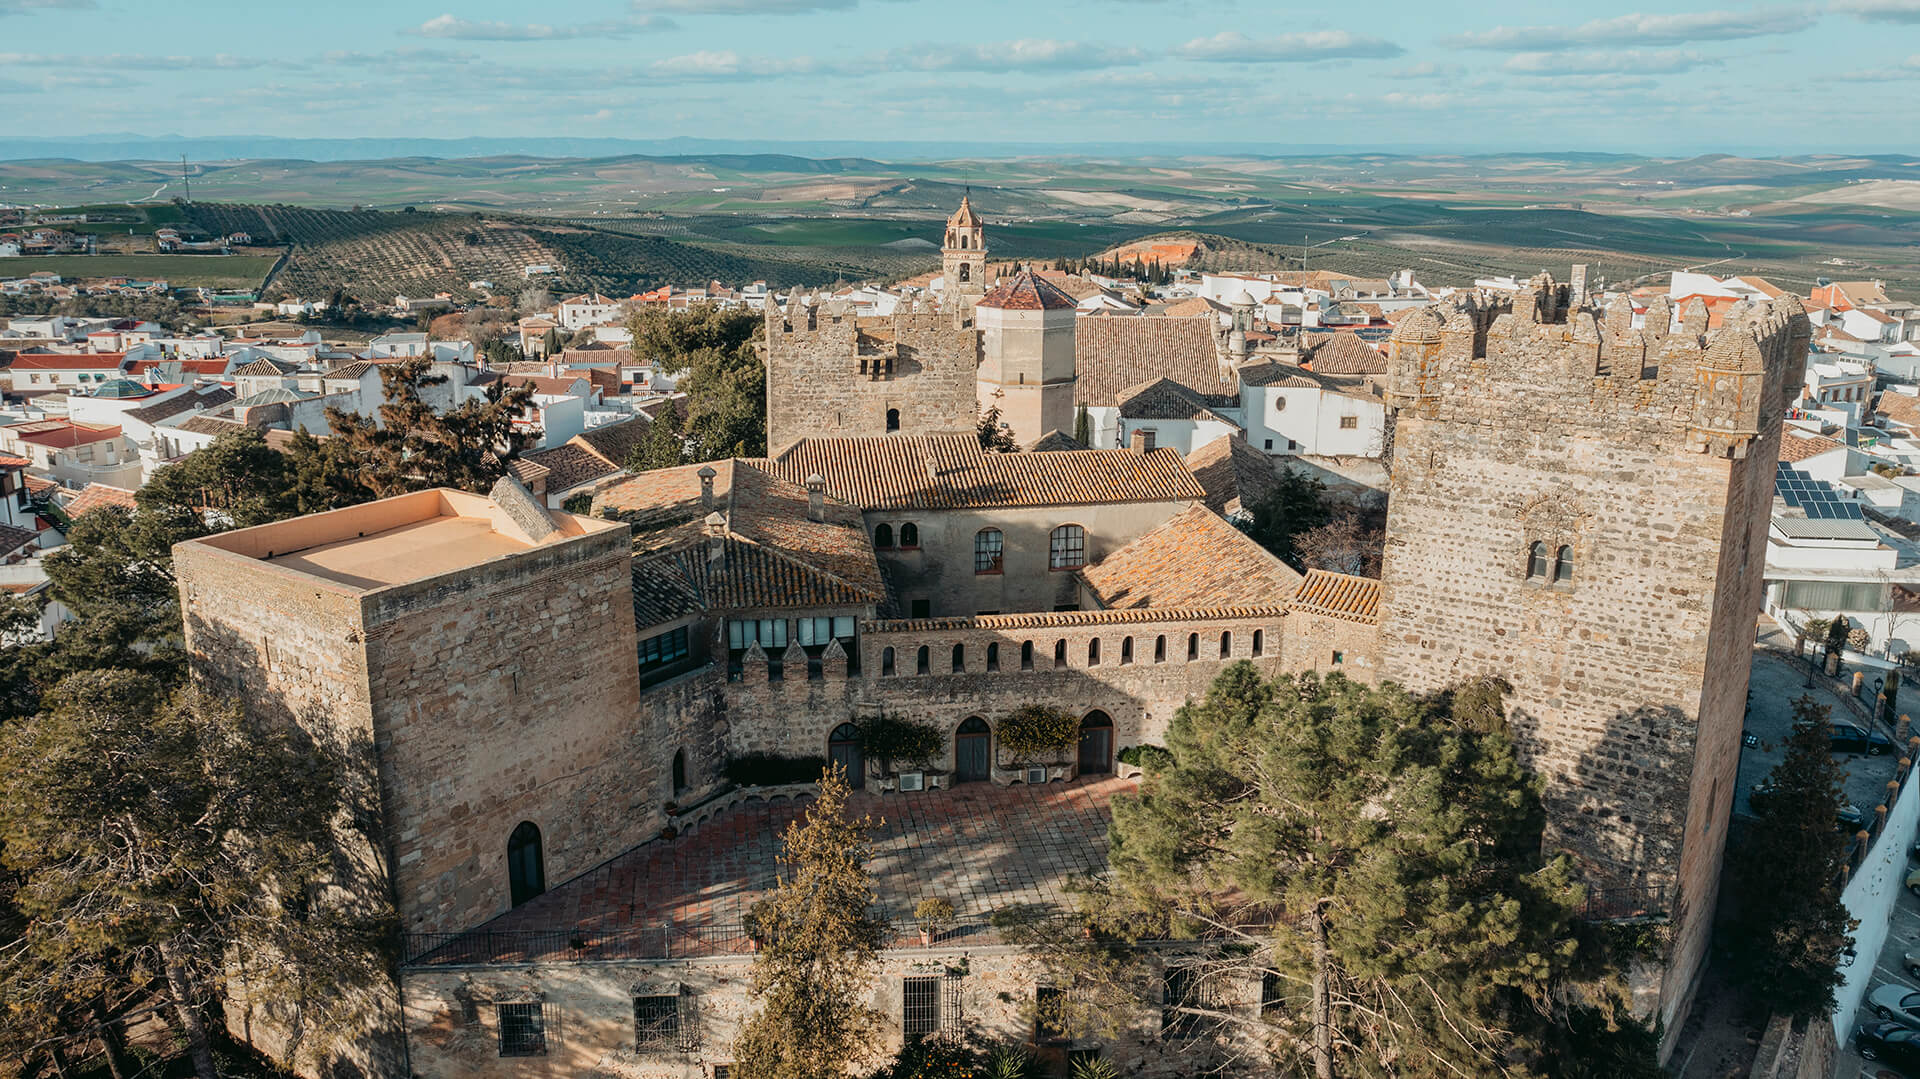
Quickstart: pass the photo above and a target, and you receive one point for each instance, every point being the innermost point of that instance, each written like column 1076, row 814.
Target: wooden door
column 1096, row 744
column 972, row 752
column 843, row 749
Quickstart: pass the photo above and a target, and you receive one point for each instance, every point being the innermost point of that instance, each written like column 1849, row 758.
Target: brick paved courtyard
column 980, row 846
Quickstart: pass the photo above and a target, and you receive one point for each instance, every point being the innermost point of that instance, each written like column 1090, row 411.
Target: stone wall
column 831, row 374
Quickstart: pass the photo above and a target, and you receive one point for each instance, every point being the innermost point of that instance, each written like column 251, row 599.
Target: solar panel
column 1817, row 497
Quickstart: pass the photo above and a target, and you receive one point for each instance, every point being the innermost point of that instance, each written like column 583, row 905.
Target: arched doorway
column 526, row 866
column 843, row 749
column 972, row 751
column 1096, row 744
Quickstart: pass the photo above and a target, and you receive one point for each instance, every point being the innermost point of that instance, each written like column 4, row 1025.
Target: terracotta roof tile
column 1165, row 399
column 97, row 495
column 1796, row 448
column 1027, row 291
column 952, row 472
column 1344, row 354
column 12, row 538
column 1237, row 476
column 1339, row 595
column 179, row 403
column 1111, row 354
column 1193, row 560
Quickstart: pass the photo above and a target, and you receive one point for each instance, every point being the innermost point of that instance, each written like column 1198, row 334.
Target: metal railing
column 1621, row 904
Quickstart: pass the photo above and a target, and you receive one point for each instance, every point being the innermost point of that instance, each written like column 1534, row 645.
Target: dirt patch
column 1893, row 194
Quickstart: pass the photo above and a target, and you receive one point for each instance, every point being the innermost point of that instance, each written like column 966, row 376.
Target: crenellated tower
column 1580, row 506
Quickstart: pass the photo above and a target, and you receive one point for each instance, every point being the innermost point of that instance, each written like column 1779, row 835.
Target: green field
column 213, row 271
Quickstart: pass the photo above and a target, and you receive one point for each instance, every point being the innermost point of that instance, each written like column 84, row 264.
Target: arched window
column 1068, row 548
column 924, row 664
column 526, row 866
column 893, row 420
column 1537, row 562
column 988, row 545
column 1026, row 655
column 972, row 745
column 1059, row 655
column 1193, row 646
column 1096, row 744
column 883, row 536
column 843, row 749
column 1093, row 652
column 959, row 659
column 993, row 656
column 909, row 535
column 1160, row 649
column 679, row 770
column 1226, row 645
column 886, row 662
column 1259, row 642
column 1126, row 651
column 1563, row 566
column 966, row 273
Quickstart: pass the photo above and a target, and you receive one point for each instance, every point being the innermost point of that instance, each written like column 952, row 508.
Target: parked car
column 1848, row 818
column 1913, row 885
column 1896, row 1004
column 1891, row 1043
column 1848, row 738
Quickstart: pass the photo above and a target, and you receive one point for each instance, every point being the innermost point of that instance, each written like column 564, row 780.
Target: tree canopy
column 724, row 379
column 416, row 445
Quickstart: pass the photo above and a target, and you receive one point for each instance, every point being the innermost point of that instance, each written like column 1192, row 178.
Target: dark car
column 1889, row 1042
column 1847, row 818
column 1848, row 738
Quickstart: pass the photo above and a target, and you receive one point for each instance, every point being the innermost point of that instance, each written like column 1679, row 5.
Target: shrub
column 1036, row 729
column 1010, row 1062
column 932, row 913
column 769, row 770
column 1094, row 1068
column 1146, row 757
column 581, row 503
column 932, row 1059
column 888, row 739
column 1857, row 639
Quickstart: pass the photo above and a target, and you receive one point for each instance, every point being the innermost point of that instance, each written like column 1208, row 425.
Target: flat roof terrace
column 981, row 847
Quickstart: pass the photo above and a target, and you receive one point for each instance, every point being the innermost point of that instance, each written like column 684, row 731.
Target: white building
column 1824, row 557
column 1286, row 411
column 576, row 313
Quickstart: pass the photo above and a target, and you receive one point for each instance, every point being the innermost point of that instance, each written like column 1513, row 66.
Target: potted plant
column 1134, row 760
column 1037, row 734
column 892, row 741
column 933, row 914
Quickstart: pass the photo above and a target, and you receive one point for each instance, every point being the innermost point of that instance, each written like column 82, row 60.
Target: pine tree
column 820, row 941
column 1786, row 875
column 413, row 446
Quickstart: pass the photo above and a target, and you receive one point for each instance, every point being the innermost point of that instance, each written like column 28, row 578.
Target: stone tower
column 1581, row 507
column 963, row 260
column 1026, row 355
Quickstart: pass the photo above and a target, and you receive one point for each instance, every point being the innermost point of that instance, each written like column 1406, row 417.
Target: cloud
column 1289, row 48
column 744, row 7
column 1427, row 69
column 1027, row 54
column 1624, row 62
column 727, row 64
column 1904, row 69
column 400, row 57
column 454, row 28
column 120, row 62
column 1639, row 29
column 22, row 7
column 1907, row 11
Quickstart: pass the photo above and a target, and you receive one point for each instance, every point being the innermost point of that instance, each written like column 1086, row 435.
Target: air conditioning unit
column 1036, row 775
column 913, row 781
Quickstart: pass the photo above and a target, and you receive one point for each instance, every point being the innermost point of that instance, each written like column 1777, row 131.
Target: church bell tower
column 963, row 259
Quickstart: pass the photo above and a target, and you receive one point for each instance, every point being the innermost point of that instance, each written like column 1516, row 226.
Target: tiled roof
column 1191, row 307
column 1339, row 595
column 1111, row 354
column 62, row 361
column 1902, row 407
column 1193, row 560
column 64, row 434
column 1165, row 399
column 1344, row 354
column 352, row 370
column 1027, row 291
column 39, row 485
column 13, row 538
column 278, row 395
column 210, row 425
column 1237, row 476
column 179, row 403
column 615, row 442
column 97, row 495
column 1053, row 442
column 267, row 365
column 568, row 466
column 952, row 472
column 1283, row 375
column 547, row 385
column 1796, row 448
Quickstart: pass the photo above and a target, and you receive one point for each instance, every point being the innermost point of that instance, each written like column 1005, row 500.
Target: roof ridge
column 776, row 553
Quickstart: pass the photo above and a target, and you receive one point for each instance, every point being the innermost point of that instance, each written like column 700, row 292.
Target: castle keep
column 553, row 700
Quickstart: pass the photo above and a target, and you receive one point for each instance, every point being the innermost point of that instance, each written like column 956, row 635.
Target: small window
column 920, row 1007
column 1537, row 561
column 1563, row 566
column 1269, row 990
column 523, row 1029
column 993, row 656
column 988, row 546
column 1348, row 423
column 1068, row 547
column 679, row 770
column 922, row 608
column 1160, row 649
column 886, row 662
column 909, row 535
column 1182, row 990
column 1259, row 642
column 959, row 659
column 1269, row 444
column 1059, row 655
column 1339, row 657
column 1193, row 646
column 1026, row 655
column 656, row 1022
column 1280, row 403
column 893, row 420
column 924, row 663
column 1126, row 651
column 883, row 536
column 966, row 271
column 1093, row 652
column 1226, row 645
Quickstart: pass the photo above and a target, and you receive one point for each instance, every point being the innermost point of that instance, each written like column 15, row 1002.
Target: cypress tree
column 1083, row 427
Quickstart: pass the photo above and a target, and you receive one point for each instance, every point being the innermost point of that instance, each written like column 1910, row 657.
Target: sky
column 1671, row 79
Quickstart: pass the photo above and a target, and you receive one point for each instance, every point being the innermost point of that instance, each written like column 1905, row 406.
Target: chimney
column 816, row 498
column 1137, row 441
column 716, row 537
column 706, row 475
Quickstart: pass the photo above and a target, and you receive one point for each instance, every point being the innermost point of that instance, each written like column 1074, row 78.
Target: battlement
column 1544, row 354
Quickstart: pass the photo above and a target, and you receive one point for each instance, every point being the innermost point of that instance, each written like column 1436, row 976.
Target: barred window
column 523, row 1029
column 1349, row 423
column 920, row 1006
column 656, row 1022
column 1183, row 990
column 1049, row 1015
column 1269, row 990
column 1068, row 547
column 988, row 545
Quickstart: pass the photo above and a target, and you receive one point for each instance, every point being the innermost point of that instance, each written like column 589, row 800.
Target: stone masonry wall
column 830, row 374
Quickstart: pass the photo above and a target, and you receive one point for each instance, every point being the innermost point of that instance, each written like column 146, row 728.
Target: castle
column 553, row 700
